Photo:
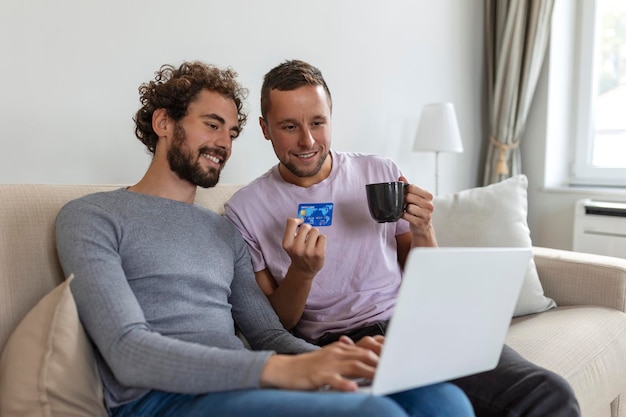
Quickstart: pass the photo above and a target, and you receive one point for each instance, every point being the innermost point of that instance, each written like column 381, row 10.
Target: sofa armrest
column 575, row 278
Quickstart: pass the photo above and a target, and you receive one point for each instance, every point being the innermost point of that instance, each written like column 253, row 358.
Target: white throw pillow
column 47, row 368
column 492, row 216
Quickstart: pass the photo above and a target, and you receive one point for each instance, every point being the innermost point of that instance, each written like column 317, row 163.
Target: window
column 600, row 155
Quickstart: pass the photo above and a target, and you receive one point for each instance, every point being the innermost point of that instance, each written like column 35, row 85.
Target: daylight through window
column 601, row 150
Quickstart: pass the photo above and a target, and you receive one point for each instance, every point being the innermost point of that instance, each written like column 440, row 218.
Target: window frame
column 583, row 172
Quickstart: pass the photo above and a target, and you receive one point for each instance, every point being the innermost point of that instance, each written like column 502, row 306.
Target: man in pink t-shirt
column 359, row 282
column 341, row 275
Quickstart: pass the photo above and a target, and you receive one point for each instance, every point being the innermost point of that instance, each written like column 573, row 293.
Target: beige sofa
column 583, row 339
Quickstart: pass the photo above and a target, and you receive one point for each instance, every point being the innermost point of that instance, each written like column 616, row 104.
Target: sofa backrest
column 29, row 266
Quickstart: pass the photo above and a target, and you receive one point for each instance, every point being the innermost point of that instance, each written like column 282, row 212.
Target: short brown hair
column 288, row 76
column 173, row 89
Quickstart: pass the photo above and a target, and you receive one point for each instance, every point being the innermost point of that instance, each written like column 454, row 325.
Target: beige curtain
column 516, row 35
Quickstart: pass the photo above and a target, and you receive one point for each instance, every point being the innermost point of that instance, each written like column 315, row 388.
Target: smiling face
column 202, row 140
column 298, row 123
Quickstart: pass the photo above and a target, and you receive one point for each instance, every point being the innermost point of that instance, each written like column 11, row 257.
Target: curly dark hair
column 173, row 89
column 288, row 76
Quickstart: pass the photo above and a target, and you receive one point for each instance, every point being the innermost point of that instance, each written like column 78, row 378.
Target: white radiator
column 600, row 227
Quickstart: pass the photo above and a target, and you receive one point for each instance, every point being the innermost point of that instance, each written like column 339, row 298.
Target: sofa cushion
column 584, row 344
column 29, row 266
column 491, row 216
column 47, row 367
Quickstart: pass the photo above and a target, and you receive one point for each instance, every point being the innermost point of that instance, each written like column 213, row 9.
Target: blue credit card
column 316, row 214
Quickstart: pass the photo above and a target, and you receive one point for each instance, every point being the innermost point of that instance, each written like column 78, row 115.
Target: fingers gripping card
column 316, row 214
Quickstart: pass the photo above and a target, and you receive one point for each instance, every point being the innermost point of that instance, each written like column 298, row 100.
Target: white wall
column 71, row 68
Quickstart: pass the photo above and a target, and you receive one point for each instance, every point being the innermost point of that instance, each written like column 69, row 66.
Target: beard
column 187, row 166
column 291, row 167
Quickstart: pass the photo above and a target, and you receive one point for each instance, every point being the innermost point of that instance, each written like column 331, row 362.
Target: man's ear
column 160, row 122
column 264, row 128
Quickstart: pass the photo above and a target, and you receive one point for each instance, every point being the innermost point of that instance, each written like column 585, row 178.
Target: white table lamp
column 438, row 131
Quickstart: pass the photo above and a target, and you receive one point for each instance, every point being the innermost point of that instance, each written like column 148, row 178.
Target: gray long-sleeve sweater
column 157, row 285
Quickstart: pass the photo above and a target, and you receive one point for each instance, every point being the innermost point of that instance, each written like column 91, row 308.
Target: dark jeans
column 372, row 330
column 514, row 388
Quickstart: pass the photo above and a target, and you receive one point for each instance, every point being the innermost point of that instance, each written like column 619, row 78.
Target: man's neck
column 160, row 181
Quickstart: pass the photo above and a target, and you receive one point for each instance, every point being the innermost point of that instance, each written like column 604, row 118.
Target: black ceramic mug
column 386, row 200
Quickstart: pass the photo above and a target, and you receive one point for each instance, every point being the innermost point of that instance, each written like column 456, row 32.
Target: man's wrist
column 294, row 273
column 272, row 370
column 426, row 239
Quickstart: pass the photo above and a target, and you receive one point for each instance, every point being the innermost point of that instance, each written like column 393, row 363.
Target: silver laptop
column 452, row 315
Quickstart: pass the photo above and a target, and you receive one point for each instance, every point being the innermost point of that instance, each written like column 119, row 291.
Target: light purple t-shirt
column 360, row 279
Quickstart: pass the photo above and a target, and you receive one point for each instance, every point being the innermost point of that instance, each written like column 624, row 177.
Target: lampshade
column 438, row 130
